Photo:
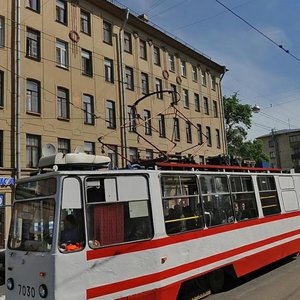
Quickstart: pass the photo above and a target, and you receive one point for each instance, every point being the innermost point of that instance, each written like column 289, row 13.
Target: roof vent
column 143, row 17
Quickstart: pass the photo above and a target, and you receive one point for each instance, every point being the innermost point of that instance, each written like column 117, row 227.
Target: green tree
column 237, row 122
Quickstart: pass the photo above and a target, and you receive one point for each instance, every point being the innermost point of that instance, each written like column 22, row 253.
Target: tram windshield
column 32, row 225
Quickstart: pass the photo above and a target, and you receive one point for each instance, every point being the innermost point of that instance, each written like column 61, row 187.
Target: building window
column 110, row 114
column 176, row 129
column 197, row 102
column 64, row 146
column 62, row 56
column 156, row 56
column 294, row 138
column 143, row 49
column 86, row 62
column 1, row 88
column 186, row 100
column 89, row 148
column 188, row 129
column 215, row 107
column 272, row 154
column 85, row 22
column 131, row 119
column 208, row 136
column 161, row 126
column 63, row 103
column 2, row 31
column 107, row 32
column 174, row 93
column 109, row 70
column 271, row 144
column 194, row 73
column 61, row 11
column 213, row 82
column 129, row 78
column 199, row 134
column 206, row 106
column 158, row 88
column 1, row 148
column 183, row 68
column 218, row 138
column 149, row 154
column 133, row 154
column 147, row 122
column 203, row 77
column 33, row 42
column 127, row 42
column 33, row 97
column 171, row 62
column 88, row 108
column 33, row 146
column 145, row 83
column 33, row 5
column 112, row 153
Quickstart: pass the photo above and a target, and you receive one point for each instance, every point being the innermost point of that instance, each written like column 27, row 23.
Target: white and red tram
column 145, row 234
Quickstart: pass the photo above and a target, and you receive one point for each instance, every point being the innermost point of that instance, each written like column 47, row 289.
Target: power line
column 169, row 8
column 260, row 32
column 154, row 5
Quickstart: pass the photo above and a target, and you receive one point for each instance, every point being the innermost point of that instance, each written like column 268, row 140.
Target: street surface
column 280, row 281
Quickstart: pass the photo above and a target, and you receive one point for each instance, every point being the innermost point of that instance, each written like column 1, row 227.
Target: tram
column 81, row 231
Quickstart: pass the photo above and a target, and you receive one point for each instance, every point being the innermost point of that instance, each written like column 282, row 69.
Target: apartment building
column 70, row 72
column 283, row 147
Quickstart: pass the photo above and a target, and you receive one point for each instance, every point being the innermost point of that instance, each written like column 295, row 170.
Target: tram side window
column 71, row 237
column 181, row 203
column 243, row 197
column 120, row 215
column 268, row 195
column 216, row 200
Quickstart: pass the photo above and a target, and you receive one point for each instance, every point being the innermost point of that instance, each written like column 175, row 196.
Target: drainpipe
column 225, row 146
column 123, row 96
column 18, row 90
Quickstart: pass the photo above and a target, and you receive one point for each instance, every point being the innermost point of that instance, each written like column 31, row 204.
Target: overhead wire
column 280, row 46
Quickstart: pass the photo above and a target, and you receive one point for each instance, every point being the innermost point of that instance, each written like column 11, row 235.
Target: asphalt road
column 279, row 281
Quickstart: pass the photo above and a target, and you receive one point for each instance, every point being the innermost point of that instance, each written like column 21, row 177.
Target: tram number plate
column 26, row 290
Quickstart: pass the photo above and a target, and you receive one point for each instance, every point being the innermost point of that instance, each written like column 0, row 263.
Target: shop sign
column 7, row 181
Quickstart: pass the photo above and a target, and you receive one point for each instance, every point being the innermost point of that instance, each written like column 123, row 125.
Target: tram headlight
column 43, row 291
column 10, row 284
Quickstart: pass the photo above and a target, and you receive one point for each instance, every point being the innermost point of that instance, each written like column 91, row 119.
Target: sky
column 259, row 71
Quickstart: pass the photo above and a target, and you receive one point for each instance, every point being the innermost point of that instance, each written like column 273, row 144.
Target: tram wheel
column 216, row 281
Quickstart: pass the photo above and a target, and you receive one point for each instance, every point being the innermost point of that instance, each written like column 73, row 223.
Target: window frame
column 31, row 7
column 156, row 56
column 107, row 32
column 111, row 114
column 2, row 31
column 62, row 54
column 61, row 12
column 85, row 22
column 33, row 151
column 63, row 103
column 129, row 75
column 88, row 109
column 143, row 49
column 33, row 44
column 33, row 99
column 86, row 62
column 145, row 83
column 127, row 42
column 108, row 70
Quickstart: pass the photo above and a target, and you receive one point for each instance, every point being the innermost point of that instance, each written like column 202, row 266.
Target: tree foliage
column 237, row 121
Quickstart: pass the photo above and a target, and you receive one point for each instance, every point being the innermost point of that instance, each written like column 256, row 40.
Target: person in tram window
column 70, row 237
column 237, row 212
column 245, row 212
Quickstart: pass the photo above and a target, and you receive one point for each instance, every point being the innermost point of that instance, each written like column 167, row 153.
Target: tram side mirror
column 71, row 194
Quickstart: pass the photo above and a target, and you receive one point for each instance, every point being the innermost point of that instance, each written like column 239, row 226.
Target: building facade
column 70, row 72
column 283, row 147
